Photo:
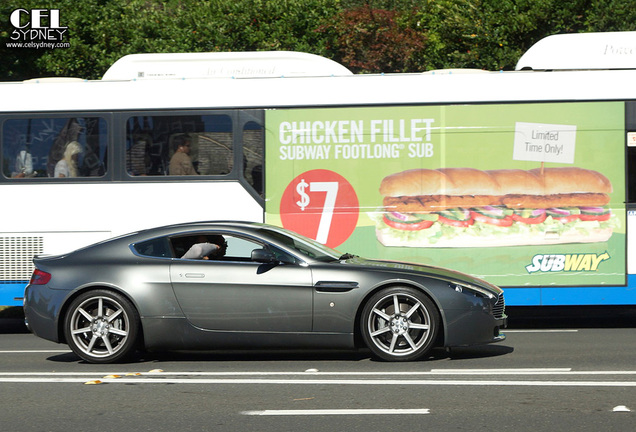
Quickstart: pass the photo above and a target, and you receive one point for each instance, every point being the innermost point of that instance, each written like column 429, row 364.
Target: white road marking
column 376, row 382
column 432, row 372
column 621, row 408
column 321, row 412
column 519, row 371
column 380, row 378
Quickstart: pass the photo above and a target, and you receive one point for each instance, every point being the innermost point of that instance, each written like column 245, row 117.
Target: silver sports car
column 228, row 285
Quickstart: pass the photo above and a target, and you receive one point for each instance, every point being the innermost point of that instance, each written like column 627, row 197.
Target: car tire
column 101, row 326
column 399, row 324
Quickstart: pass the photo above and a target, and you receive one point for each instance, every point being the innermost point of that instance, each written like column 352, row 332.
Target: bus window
column 253, row 142
column 152, row 141
column 54, row 147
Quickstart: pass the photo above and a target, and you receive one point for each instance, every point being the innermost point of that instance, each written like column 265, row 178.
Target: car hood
column 407, row 268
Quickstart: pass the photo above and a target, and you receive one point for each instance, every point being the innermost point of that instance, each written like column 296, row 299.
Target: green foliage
column 102, row 31
column 373, row 40
column 364, row 35
column 493, row 34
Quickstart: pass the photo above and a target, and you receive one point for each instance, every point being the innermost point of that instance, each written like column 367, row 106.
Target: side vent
column 16, row 254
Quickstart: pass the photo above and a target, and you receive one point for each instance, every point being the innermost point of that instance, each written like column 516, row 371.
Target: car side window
column 158, row 248
column 214, row 246
column 203, row 246
column 240, row 249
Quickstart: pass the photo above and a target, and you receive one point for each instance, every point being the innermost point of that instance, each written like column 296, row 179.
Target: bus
column 523, row 178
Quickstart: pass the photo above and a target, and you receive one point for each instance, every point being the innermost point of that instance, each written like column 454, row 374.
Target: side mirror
column 263, row 256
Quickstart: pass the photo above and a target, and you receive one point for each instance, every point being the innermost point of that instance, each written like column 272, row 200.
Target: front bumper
column 474, row 326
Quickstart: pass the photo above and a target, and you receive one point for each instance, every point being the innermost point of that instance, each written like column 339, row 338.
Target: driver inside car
column 207, row 247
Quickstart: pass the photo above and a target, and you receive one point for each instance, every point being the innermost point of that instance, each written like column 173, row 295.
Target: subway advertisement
column 517, row 194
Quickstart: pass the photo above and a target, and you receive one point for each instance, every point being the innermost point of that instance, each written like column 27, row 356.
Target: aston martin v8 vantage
column 238, row 285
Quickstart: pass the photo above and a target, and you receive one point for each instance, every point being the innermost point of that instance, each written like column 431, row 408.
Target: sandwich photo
column 467, row 207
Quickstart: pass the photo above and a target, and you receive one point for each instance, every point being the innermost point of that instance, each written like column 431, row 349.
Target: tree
column 364, row 35
column 493, row 34
column 102, row 31
column 373, row 40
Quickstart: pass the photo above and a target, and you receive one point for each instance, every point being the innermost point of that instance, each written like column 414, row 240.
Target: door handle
column 195, row 275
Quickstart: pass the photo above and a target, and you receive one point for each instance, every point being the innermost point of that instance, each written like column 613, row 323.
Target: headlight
column 471, row 289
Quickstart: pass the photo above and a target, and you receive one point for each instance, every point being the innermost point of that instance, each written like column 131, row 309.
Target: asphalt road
column 543, row 377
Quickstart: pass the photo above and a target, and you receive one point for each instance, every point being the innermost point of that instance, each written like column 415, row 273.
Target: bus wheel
column 101, row 326
column 399, row 324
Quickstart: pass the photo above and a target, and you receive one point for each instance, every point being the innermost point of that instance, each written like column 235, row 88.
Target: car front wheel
column 399, row 324
column 101, row 326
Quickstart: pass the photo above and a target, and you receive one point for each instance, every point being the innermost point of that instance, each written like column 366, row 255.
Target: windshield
column 303, row 245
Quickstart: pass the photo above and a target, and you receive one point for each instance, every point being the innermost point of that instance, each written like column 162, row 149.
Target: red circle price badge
column 322, row 205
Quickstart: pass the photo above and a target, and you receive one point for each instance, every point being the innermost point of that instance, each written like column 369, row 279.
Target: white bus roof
column 580, row 51
column 257, row 64
column 352, row 90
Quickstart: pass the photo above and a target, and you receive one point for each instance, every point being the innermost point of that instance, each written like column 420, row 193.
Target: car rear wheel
column 101, row 326
column 399, row 324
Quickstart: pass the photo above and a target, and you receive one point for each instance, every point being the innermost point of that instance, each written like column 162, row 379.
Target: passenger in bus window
column 139, row 158
column 257, row 178
column 23, row 165
column 181, row 163
column 67, row 166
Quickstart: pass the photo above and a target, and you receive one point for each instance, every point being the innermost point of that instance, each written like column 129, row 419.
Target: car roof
column 169, row 230
column 187, row 226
